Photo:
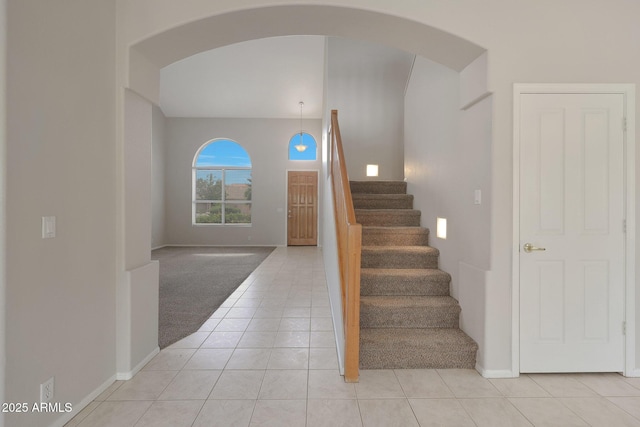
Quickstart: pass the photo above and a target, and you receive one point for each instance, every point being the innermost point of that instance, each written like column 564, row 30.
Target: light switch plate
column 48, row 227
column 477, row 197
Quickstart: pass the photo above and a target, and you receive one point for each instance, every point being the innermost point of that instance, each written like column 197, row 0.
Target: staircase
column 407, row 318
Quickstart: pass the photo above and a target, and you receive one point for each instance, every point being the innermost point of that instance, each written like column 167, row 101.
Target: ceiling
column 265, row 78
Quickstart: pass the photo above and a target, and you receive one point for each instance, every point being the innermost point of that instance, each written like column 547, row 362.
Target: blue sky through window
column 309, row 153
column 223, row 152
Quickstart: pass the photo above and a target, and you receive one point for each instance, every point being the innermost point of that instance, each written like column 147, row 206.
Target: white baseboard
column 496, row 373
column 124, row 376
column 634, row 373
column 66, row 417
column 339, row 346
column 488, row 373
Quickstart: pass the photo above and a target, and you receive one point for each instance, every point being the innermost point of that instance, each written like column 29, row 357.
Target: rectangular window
column 214, row 206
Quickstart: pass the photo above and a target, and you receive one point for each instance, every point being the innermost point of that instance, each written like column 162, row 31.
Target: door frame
column 628, row 92
column 286, row 192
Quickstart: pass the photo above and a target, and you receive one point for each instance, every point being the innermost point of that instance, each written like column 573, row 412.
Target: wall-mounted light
column 372, row 170
column 441, row 228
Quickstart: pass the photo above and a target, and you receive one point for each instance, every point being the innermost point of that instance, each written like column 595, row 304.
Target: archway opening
column 149, row 55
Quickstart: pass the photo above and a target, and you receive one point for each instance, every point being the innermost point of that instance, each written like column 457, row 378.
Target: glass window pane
column 305, row 142
column 208, row 213
column 208, row 185
column 237, row 185
column 237, row 213
column 223, row 153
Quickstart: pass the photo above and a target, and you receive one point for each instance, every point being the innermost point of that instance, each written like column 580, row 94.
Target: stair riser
column 417, row 359
column 398, row 218
column 416, row 348
column 405, row 202
column 375, row 285
column 379, row 187
column 409, row 317
column 398, row 260
column 392, row 239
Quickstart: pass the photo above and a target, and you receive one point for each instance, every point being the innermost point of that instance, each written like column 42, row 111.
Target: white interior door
column 572, row 206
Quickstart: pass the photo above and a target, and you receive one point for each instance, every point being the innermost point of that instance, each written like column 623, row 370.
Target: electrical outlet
column 46, row 390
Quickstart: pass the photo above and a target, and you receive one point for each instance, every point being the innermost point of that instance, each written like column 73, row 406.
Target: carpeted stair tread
column 409, row 312
column 398, row 281
column 399, row 257
column 439, row 348
column 395, row 236
column 382, row 201
column 378, row 187
column 407, row 317
column 388, row 217
column 402, row 301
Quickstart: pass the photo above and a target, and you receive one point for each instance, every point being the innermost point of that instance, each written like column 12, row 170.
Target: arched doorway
column 148, row 55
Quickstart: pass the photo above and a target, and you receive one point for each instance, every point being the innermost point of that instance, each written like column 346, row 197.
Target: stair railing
column 349, row 236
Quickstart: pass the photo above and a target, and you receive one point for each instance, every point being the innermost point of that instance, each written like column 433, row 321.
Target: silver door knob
column 528, row 247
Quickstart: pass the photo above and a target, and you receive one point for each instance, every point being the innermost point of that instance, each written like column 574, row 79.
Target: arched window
column 302, row 146
column 222, row 184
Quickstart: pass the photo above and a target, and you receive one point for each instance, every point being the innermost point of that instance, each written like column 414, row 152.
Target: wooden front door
column 302, row 209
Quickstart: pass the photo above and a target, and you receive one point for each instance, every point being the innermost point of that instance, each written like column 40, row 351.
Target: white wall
column 137, row 294
column 158, row 205
column 138, row 319
column 366, row 85
column 447, row 157
column 3, row 205
column 60, row 294
column 266, row 141
column 332, row 271
column 137, row 180
column 329, row 237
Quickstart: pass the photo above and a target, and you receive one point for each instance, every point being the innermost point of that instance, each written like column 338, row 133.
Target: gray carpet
column 194, row 281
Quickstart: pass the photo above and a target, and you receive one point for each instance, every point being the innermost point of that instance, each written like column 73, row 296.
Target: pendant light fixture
column 300, row 146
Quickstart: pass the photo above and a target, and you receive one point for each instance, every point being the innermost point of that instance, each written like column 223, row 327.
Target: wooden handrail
column 349, row 236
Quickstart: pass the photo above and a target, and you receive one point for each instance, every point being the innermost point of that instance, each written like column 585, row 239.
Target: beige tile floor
column 267, row 357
